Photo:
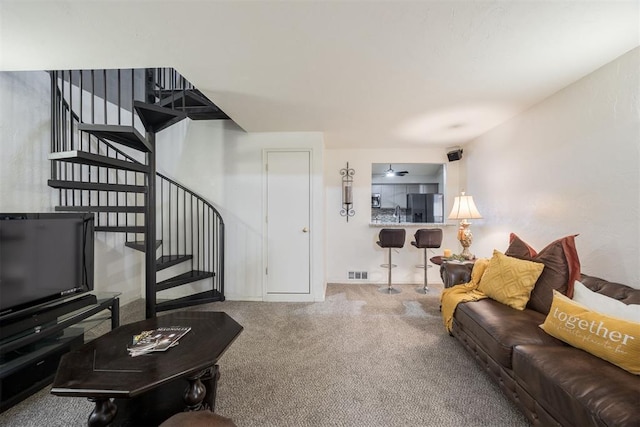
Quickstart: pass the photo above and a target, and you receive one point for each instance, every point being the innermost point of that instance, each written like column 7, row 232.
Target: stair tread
column 78, row 185
column 122, row 209
column 191, row 274
column 207, row 115
column 86, row 158
column 166, row 261
column 121, row 228
column 140, row 245
column 156, row 118
column 121, row 134
column 194, row 299
column 183, row 279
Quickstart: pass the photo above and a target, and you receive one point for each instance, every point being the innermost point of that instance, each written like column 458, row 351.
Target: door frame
column 284, row 297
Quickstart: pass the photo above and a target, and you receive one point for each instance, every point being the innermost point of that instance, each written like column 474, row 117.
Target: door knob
column 305, row 230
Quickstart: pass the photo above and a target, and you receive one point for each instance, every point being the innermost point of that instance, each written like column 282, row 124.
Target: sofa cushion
column 577, row 388
column 605, row 304
column 497, row 328
column 561, row 269
column 620, row 292
column 509, row 280
column 610, row 338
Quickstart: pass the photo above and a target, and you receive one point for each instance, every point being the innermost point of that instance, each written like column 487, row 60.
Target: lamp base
column 466, row 237
column 466, row 254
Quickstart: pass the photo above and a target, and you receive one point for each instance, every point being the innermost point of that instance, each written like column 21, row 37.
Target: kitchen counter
column 410, row 224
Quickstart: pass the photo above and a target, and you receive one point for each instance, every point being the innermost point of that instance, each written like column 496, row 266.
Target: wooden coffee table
column 148, row 389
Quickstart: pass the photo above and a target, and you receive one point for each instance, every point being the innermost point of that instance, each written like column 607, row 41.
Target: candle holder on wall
column 347, row 192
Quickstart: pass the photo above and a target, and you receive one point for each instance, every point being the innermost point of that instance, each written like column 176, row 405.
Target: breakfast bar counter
column 409, row 224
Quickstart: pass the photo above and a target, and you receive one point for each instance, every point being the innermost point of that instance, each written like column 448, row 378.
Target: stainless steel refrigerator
column 425, row 207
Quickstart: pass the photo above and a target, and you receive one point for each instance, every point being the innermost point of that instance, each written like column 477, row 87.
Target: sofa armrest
column 454, row 274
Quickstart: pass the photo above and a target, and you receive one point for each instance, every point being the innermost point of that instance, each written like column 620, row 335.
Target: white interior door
column 288, row 219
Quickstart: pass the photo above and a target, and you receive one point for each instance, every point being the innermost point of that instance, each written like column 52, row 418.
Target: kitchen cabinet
column 413, row 188
column 400, row 196
column 387, row 198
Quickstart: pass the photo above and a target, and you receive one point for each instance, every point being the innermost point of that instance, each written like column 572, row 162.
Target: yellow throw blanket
column 451, row 297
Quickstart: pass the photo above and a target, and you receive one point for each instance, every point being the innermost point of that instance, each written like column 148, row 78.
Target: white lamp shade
column 464, row 208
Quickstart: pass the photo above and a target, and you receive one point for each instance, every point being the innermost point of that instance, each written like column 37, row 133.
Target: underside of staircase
column 103, row 161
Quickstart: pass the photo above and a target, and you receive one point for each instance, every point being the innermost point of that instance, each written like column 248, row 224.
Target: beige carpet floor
column 360, row 358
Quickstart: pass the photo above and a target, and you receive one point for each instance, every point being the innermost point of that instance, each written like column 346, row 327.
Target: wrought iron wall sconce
column 347, row 192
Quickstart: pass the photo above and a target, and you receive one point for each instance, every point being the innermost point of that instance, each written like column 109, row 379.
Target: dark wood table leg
column 104, row 412
column 201, row 391
column 211, row 382
column 195, row 392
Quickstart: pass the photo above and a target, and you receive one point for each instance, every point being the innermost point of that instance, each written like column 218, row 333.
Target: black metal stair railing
column 93, row 111
column 89, row 172
column 190, row 228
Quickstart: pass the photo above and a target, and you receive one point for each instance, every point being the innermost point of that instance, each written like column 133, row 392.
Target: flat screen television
column 44, row 257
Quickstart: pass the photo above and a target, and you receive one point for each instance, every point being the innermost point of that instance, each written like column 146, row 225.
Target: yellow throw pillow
column 510, row 280
column 607, row 337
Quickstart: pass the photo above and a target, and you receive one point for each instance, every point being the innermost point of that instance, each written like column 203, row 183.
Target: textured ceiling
column 367, row 74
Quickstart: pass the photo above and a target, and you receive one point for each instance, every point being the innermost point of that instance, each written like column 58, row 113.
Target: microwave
column 375, row 200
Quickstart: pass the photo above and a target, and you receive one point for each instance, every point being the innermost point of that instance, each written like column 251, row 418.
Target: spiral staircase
column 103, row 154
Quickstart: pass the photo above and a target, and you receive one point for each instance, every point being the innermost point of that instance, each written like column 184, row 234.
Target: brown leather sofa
column 551, row 382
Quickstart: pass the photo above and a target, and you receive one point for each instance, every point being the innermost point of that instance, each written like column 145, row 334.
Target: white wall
column 351, row 246
column 223, row 164
column 25, row 132
column 569, row 165
column 25, row 135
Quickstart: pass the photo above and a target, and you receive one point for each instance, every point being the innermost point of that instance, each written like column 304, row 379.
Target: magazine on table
column 159, row 339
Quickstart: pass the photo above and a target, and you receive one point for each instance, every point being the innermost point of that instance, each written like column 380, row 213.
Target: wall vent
column 358, row 275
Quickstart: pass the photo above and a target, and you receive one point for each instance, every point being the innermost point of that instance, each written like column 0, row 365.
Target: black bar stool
column 427, row 238
column 390, row 238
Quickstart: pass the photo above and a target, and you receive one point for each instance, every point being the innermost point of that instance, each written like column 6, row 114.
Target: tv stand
column 29, row 358
column 37, row 319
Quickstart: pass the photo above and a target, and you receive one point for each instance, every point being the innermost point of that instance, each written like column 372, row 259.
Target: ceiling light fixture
column 390, row 172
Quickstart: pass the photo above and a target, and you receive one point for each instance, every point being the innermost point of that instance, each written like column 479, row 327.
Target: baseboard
column 236, row 297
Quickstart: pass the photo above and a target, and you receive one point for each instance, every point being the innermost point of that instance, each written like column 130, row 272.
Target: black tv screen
column 43, row 257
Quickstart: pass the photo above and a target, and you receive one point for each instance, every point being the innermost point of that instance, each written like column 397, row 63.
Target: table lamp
column 464, row 208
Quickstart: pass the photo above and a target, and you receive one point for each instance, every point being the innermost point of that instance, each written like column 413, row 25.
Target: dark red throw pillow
column 519, row 249
column 561, row 269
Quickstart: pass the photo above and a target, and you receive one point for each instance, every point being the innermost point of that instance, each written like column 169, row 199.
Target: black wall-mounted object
column 454, row 155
